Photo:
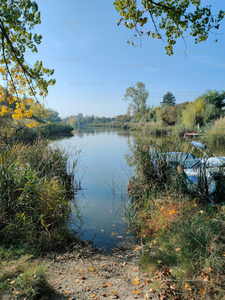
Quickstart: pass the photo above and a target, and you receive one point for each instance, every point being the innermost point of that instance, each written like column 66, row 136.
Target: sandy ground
column 87, row 273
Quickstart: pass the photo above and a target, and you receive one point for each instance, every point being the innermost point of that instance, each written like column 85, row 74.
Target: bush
column 34, row 191
column 216, row 132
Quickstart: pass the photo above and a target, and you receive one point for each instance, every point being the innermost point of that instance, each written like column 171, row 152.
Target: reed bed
column 35, row 188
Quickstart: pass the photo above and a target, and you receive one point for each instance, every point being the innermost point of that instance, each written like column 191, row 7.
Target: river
column 103, row 173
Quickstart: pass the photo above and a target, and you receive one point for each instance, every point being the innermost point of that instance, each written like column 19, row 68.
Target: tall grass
column 157, row 128
column 182, row 233
column 216, row 133
column 35, row 189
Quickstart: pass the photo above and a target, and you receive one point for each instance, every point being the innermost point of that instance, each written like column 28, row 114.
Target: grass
column 190, row 243
column 23, row 278
column 34, row 191
column 216, row 132
column 36, row 186
column 183, row 234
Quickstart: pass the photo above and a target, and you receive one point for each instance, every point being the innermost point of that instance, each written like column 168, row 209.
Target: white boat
column 197, row 173
column 215, row 164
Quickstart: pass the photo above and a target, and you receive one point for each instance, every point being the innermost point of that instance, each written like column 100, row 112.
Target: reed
column 35, row 188
column 216, row 132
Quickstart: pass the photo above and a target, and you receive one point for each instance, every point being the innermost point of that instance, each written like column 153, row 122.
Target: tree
column 137, row 98
column 199, row 112
column 173, row 17
column 53, row 116
column 168, row 99
column 214, row 97
column 17, row 21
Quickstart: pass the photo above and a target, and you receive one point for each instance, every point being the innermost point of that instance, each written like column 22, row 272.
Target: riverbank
column 35, row 188
column 213, row 133
column 182, row 232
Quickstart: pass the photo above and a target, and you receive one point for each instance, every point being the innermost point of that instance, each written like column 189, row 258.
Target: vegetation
column 137, row 98
column 17, row 22
column 36, row 184
column 168, row 99
column 21, row 278
column 181, row 231
column 171, row 19
column 215, row 132
column 168, row 118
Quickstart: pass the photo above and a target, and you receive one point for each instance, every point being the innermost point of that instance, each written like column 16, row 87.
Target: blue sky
column 94, row 65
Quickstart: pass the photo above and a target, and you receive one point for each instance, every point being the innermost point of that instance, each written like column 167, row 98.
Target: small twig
column 153, row 21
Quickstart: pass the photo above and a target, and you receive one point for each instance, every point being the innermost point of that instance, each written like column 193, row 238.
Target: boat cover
column 197, row 144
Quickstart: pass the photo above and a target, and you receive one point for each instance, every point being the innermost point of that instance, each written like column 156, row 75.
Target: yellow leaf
column 223, row 254
column 16, row 293
column 92, row 269
column 159, row 261
column 201, row 291
column 137, row 292
column 177, row 249
column 136, row 282
column 102, row 230
column 93, row 295
column 67, row 292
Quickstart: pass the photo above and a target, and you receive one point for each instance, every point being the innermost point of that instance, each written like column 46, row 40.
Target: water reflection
column 104, row 174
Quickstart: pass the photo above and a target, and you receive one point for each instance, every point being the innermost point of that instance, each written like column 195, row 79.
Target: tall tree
column 170, row 18
column 214, row 97
column 137, row 96
column 17, row 21
column 169, row 99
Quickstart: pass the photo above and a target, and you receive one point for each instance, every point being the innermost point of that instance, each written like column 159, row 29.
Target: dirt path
column 87, row 273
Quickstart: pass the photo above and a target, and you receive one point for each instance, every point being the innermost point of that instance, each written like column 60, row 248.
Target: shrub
column 34, row 191
column 216, row 133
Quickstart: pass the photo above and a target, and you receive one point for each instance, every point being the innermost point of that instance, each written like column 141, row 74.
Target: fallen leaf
column 87, row 289
column 16, row 293
column 12, row 282
column 159, row 261
column 107, row 284
column 93, row 295
column 92, row 269
column 136, row 282
column 177, row 249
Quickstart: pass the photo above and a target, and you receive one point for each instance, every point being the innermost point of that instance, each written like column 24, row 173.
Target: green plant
column 35, row 188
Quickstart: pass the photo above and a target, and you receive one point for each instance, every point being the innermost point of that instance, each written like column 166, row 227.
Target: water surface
column 104, row 174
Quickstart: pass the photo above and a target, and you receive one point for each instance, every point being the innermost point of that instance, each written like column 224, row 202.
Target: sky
column 94, row 65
